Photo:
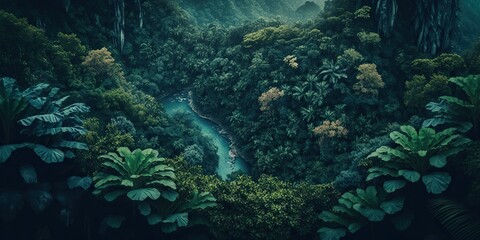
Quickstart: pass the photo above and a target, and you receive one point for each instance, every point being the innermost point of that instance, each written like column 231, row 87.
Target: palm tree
column 332, row 72
column 299, row 92
column 308, row 114
column 312, row 91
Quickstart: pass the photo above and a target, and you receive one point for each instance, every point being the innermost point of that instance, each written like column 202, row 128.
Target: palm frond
column 457, row 219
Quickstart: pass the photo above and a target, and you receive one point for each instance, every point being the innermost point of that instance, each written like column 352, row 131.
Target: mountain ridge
column 232, row 12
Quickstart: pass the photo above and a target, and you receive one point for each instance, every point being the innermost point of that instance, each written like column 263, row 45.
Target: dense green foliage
column 265, row 209
column 38, row 138
column 349, row 133
column 431, row 77
column 305, row 64
column 419, row 155
column 233, row 12
column 355, row 210
column 141, row 178
column 463, row 114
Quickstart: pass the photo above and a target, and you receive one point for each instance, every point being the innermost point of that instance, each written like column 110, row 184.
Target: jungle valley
column 240, row 119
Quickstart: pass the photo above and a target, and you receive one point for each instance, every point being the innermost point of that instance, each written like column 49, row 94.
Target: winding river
column 227, row 162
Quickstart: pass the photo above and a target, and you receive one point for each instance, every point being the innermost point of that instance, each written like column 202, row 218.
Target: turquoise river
column 226, row 163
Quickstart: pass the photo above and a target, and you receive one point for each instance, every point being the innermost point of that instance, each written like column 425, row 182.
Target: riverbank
column 228, row 163
column 225, row 132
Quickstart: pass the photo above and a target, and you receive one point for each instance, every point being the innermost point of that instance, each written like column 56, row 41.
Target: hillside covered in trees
column 235, row 12
column 239, row 119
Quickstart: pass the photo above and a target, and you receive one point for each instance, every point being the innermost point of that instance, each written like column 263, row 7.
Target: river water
column 210, row 129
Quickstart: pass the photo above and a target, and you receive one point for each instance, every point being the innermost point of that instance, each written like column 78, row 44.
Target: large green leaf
column 48, row 155
column 74, row 108
column 124, row 151
column 392, row 206
column 154, row 219
column 144, row 209
column 409, row 130
column 33, row 95
column 368, row 197
column 436, row 182
column 28, row 173
column 72, row 145
column 422, row 153
column 455, row 111
column 82, row 182
column 6, row 151
column 412, row 176
column 164, row 182
column 170, row 195
column 69, row 154
column 440, row 160
column 160, row 168
column 60, row 101
column 375, row 172
column 355, row 226
column 111, row 196
column 346, row 202
column 127, row 183
column 393, row 185
column 436, row 121
column 144, row 193
column 469, row 84
column 181, row 219
column 426, row 136
column 49, row 118
column 372, row 214
column 386, row 153
column 100, row 180
column 350, row 197
column 444, row 137
column 328, row 216
column 459, row 142
column 9, row 87
column 12, row 103
column 77, row 130
column 326, row 233
column 402, row 140
column 117, row 166
column 456, row 101
column 168, row 174
column 349, row 211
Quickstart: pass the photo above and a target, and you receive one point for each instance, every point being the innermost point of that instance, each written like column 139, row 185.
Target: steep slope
column 308, row 10
column 469, row 29
column 232, row 12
